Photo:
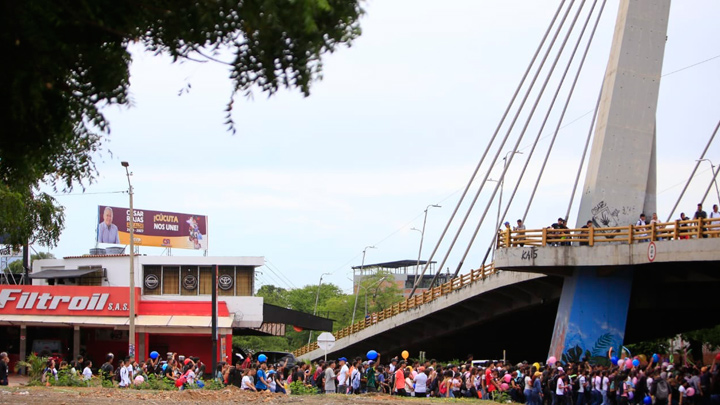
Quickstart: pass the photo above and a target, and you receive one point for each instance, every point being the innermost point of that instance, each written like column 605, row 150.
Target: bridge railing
column 409, row 303
column 675, row 230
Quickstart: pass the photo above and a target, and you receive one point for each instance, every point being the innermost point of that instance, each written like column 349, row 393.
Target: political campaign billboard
column 152, row 228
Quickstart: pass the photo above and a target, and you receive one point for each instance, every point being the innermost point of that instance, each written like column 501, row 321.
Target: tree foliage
column 66, row 60
column 332, row 303
column 17, row 267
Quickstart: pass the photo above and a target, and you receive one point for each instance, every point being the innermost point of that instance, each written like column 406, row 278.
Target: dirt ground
column 67, row 395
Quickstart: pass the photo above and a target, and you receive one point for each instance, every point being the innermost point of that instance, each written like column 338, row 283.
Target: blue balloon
column 372, row 355
column 636, row 363
column 614, row 359
column 200, row 383
column 656, row 358
column 164, row 366
column 154, row 355
column 647, row 400
column 262, row 358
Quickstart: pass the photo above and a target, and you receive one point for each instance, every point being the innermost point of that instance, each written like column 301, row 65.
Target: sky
column 398, row 122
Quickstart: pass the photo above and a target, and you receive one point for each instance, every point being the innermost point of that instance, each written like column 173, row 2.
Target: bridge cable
column 697, row 164
column 560, row 120
column 502, row 144
column 492, row 140
column 712, row 181
column 531, row 115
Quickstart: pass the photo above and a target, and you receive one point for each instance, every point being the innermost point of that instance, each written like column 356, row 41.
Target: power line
column 691, row 66
column 281, row 274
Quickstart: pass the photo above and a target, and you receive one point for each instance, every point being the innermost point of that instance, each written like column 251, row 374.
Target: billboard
column 152, row 228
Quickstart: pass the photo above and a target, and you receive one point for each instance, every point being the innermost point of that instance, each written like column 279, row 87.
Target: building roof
column 394, row 265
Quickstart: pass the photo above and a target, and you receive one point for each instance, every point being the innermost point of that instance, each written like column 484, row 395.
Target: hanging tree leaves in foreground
column 65, row 60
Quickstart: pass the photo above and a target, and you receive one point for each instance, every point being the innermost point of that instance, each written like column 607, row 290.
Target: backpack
column 443, row 388
column 662, row 390
column 116, row 376
column 181, row 380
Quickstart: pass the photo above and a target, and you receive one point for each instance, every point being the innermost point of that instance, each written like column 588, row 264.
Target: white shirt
column 124, row 379
column 605, row 383
column 560, row 390
column 247, row 383
column 420, row 383
column 528, row 382
column 581, row 383
column 714, row 214
column 597, row 380
column 190, row 376
column 343, row 375
column 87, row 373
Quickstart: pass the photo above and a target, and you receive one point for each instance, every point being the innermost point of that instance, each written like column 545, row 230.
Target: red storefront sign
column 64, row 300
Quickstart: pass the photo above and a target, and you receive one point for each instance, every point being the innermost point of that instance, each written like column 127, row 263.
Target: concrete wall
column 527, row 258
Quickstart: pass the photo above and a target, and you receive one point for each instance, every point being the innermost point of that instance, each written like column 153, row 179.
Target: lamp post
column 714, row 173
column 317, row 298
column 375, row 284
column 131, row 337
column 357, row 290
column 422, row 238
column 502, row 182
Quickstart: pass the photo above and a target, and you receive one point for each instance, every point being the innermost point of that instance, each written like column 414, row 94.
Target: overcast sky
column 399, row 122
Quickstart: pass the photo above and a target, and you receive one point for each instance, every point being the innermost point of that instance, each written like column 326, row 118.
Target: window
column 244, row 281
column 205, row 280
column 171, row 280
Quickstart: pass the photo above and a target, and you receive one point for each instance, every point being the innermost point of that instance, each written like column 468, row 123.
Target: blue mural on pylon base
column 591, row 316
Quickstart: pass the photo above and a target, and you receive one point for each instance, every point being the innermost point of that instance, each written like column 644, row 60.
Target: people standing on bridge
column 715, row 216
column 520, row 229
column 642, row 225
column 684, row 234
column 700, row 215
column 586, row 234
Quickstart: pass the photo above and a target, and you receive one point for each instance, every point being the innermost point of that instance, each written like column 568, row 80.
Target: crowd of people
column 184, row 371
column 559, row 228
column 627, row 381
column 619, row 381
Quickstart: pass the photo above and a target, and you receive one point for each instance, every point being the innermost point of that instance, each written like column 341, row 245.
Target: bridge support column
column 591, row 315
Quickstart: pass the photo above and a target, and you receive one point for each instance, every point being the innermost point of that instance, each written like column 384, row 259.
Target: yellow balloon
column 405, row 354
column 537, row 366
column 642, row 358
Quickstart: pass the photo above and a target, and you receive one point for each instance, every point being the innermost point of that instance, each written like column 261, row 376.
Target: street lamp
column 362, row 267
column 317, row 297
column 375, row 284
column 422, row 238
column 714, row 173
column 502, row 182
column 131, row 337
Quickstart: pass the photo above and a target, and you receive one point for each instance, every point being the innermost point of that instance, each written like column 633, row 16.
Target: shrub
column 298, row 388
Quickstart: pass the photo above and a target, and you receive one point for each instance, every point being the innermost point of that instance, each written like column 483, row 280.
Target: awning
column 62, row 273
column 275, row 314
column 182, row 321
column 169, row 321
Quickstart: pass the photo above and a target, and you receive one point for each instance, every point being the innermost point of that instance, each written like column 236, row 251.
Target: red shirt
column 400, row 379
column 488, row 380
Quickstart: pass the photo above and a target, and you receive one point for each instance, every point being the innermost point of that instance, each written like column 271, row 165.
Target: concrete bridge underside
column 516, row 312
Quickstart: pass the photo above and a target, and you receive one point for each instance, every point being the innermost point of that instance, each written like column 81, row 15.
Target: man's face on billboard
column 108, row 217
